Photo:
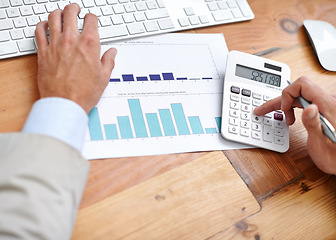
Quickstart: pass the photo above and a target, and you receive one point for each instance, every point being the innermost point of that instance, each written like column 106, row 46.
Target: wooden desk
column 297, row 200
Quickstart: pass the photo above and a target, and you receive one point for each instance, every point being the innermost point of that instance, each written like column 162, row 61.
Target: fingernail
column 312, row 113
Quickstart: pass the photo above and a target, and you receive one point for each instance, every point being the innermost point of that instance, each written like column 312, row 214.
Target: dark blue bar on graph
column 168, row 76
column 115, row 80
column 207, row 78
column 142, row 78
column 128, row 77
column 182, row 78
column 155, row 77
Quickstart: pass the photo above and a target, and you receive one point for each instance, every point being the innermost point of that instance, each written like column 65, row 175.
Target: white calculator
column 249, row 82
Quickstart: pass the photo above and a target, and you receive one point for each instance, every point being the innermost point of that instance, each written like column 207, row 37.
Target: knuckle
column 90, row 40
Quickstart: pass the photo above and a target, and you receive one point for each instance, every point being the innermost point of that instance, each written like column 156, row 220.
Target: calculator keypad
column 243, row 121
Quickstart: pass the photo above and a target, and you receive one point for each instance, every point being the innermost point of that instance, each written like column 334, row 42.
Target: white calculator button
column 234, row 105
column 268, row 134
column 233, row 121
column 256, row 103
column 279, row 124
column 267, row 121
column 256, row 118
column 246, row 100
column 245, row 124
column 256, row 96
column 245, row 108
column 268, row 115
column 279, row 140
column 233, row 129
column 233, row 113
column 256, row 127
column 245, row 116
column 245, row 132
column 279, row 132
column 267, row 98
column 234, row 97
column 256, row 135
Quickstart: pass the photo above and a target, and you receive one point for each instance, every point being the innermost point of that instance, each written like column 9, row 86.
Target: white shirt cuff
column 59, row 118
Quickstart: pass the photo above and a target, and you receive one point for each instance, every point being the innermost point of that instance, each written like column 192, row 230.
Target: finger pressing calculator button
column 246, row 92
column 235, row 89
column 256, row 118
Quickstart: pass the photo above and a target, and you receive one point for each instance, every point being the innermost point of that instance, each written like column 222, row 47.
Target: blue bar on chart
column 128, row 77
column 142, row 78
column 115, row 80
column 207, row 78
column 196, row 125
column 168, row 76
column 111, row 131
column 211, row 130
column 154, row 125
column 180, row 119
column 155, row 77
column 219, row 123
column 94, row 125
column 137, row 118
column 167, row 122
column 125, row 127
column 182, row 78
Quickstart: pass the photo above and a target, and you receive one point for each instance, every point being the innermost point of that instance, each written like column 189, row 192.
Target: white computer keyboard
column 118, row 19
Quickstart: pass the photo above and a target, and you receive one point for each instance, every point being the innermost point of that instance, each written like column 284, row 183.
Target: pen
column 327, row 128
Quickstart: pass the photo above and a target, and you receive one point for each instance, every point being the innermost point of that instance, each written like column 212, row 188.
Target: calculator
column 249, row 82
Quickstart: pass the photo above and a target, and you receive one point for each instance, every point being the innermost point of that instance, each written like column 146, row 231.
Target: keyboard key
column 27, row 10
column 39, row 9
column 4, row 3
column 189, row 11
column 233, row 113
column 19, row 22
column 232, row 3
column 26, row 45
column 233, row 121
column 6, row 24
column 116, row 20
column 256, row 135
column 234, row 105
column 245, row 124
column 33, row 20
column 139, row 16
column 279, row 140
column 4, row 36
column 2, row 14
column 151, row 26
column 157, row 14
column 13, row 12
column 16, row 3
column 140, row 6
column 233, row 129
column 8, row 48
column 151, row 5
column 165, row 24
column 113, row 32
column 222, row 15
column 194, row 20
column 204, row 19
column 213, row 6
column 244, row 7
column 136, row 28
column 222, row 5
column 236, row 13
column 29, row 32
column 105, row 21
column 107, row 10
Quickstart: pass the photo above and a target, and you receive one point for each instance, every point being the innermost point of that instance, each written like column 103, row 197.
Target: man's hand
column 321, row 149
column 69, row 64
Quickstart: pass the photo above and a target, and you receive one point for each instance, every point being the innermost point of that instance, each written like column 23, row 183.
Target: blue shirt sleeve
column 59, row 118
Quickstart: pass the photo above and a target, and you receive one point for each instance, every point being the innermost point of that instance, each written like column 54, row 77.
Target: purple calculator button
column 278, row 116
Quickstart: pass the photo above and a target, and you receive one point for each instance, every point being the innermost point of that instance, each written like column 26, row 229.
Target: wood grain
column 193, row 201
column 305, row 210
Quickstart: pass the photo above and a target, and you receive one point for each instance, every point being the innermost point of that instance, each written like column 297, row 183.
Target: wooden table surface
column 234, row 194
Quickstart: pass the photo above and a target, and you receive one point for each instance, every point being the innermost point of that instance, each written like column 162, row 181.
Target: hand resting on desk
column 321, row 149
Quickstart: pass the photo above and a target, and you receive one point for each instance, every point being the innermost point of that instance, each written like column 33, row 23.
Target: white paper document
column 164, row 96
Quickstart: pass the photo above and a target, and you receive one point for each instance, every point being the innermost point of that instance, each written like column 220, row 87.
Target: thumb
column 108, row 62
column 311, row 121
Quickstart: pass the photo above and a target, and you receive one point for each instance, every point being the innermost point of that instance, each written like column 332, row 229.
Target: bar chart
column 164, row 122
column 164, row 97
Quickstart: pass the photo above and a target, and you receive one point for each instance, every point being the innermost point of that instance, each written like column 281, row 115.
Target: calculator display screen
column 258, row 75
